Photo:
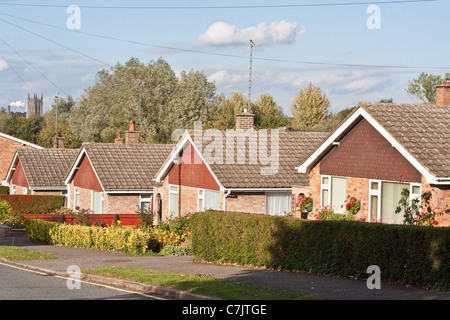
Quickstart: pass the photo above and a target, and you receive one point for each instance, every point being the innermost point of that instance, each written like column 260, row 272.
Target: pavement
column 328, row 288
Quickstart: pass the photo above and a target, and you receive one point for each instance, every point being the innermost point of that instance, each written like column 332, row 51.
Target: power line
column 57, row 43
column 222, row 7
column 14, row 70
column 31, row 65
column 352, row 65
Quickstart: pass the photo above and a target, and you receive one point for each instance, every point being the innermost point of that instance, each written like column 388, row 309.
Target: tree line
column 160, row 102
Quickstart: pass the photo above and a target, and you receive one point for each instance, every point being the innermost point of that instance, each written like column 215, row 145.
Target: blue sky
column 297, row 42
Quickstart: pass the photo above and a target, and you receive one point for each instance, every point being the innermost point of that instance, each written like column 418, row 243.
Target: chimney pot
column 132, row 136
column 132, row 126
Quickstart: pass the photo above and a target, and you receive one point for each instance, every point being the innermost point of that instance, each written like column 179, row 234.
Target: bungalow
column 9, row 145
column 115, row 178
column 240, row 170
column 40, row 171
column 380, row 149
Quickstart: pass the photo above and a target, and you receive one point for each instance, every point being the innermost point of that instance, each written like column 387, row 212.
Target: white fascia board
column 257, row 189
column 11, row 168
column 23, row 142
column 305, row 167
column 75, row 166
column 129, row 191
column 183, row 143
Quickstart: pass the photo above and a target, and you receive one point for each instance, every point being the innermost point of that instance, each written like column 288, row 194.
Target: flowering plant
column 352, row 205
column 305, row 203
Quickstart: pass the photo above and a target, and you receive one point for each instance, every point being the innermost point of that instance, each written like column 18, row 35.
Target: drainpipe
column 225, row 200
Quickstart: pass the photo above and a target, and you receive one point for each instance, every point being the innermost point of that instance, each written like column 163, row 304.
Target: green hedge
column 405, row 254
column 4, row 190
column 33, row 204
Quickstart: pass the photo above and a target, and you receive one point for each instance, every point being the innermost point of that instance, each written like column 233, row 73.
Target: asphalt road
column 18, row 283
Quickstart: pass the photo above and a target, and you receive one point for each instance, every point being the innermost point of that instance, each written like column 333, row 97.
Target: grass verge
column 15, row 253
column 199, row 284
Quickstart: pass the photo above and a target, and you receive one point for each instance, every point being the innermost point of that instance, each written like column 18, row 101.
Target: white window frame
column 174, row 193
column 76, row 198
column 325, row 187
column 25, row 190
column 413, row 195
column 13, row 189
column 102, row 201
column 144, row 198
column 377, row 193
column 201, row 196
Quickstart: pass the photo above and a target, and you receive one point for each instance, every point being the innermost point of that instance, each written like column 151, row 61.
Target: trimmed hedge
column 33, row 204
column 405, row 254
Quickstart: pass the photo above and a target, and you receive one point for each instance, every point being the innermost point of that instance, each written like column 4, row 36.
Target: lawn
column 199, row 284
column 16, row 253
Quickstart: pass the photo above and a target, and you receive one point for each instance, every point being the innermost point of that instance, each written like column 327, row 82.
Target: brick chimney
column 443, row 93
column 58, row 141
column 132, row 136
column 245, row 120
column 118, row 140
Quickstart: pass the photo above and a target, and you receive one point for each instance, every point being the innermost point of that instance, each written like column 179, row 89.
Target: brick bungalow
column 115, row 178
column 9, row 145
column 40, row 171
column 223, row 170
column 380, row 149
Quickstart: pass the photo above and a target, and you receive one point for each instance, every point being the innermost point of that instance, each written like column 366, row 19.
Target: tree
column 268, row 114
column 309, row 107
column 149, row 94
column 424, row 87
column 225, row 117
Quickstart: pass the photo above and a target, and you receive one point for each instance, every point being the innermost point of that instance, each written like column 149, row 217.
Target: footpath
column 329, row 288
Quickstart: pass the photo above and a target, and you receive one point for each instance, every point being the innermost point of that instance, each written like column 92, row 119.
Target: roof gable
column 419, row 132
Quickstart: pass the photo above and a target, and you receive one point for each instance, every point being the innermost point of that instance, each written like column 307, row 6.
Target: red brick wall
column 247, row 202
column 121, row 203
column 8, row 148
column 191, row 173
column 365, row 153
column 85, row 176
column 18, row 177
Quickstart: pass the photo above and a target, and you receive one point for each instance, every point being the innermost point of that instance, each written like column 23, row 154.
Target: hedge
column 33, row 204
column 405, row 254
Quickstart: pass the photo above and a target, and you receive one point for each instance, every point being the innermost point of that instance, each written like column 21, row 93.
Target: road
column 18, row 283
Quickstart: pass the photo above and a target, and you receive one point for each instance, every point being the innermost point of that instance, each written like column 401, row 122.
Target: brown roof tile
column 423, row 130
column 46, row 167
column 127, row 167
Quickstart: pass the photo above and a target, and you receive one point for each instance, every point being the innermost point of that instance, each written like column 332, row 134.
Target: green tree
column 227, row 109
column 309, row 107
column 268, row 114
column 424, row 87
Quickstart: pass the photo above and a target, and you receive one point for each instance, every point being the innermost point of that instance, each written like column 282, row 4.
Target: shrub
column 4, row 190
column 406, row 254
column 40, row 230
column 33, row 204
column 5, row 210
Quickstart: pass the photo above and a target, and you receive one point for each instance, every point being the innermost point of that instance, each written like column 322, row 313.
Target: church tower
column 35, row 105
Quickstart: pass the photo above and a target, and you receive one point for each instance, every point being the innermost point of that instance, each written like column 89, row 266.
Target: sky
column 353, row 50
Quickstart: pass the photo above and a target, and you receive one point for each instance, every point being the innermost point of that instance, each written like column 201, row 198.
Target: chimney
column 132, row 136
column 9, row 109
column 118, row 140
column 443, row 93
column 58, row 142
column 245, row 120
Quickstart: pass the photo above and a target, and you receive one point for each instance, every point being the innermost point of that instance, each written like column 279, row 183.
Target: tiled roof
column 293, row 148
column 423, row 130
column 127, row 167
column 46, row 167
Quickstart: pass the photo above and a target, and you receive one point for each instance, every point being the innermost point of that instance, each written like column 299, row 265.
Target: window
column 278, row 203
column 333, row 190
column 145, row 202
column 97, row 202
column 173, row 200
column 390, row 195
column 208, row 199
column 13, row 191
column 76, row 200
column 374, row 200
column 26, row 191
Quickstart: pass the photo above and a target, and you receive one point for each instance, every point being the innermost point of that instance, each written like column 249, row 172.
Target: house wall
column 362, row 156
column 247, row 202
column 85, row 177
column 7, row 151
column 18, row 177
column 121, row 203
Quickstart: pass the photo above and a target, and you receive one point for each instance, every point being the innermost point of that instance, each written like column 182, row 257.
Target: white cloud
column 222, row 33
column 3, row 65
column 17, row 104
